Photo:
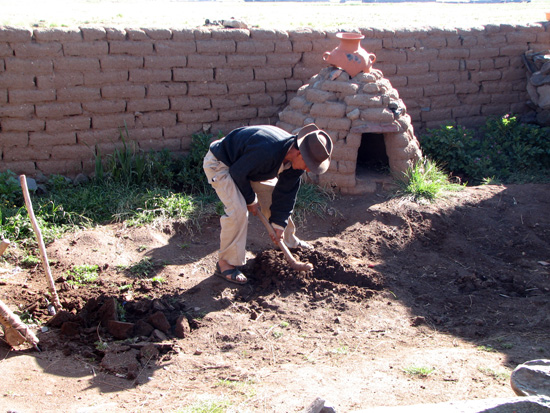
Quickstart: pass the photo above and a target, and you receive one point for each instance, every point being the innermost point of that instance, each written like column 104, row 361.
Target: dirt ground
column 457, row 289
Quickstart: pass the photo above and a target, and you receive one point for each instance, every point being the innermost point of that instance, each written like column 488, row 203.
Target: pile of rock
column 538, row 84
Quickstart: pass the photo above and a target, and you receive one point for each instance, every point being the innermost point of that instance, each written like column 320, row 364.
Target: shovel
column 294, row 264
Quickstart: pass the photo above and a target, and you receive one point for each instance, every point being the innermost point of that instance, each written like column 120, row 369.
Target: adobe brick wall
column 65, row 91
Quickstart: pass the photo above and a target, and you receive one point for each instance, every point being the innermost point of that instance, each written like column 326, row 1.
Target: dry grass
column 281, row 15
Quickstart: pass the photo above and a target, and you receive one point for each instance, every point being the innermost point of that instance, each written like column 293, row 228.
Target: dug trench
column 460, row 285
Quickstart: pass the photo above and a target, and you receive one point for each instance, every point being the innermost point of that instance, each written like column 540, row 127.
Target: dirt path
column 457, row 289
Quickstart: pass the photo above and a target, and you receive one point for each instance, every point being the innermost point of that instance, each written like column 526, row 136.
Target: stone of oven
column 348, row 109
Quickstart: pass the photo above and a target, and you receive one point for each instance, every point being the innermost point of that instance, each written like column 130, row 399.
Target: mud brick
column 238, row 114
column 123, row 91
column 159, row 119
column 454, row 53
column 59, row 80
column 234, row 75
column 207, row 89
column 14, row 138
column 283, row 59
column 340, row 87
column 115, row 33
column 83, row 64
column 53, row 110
column 186, row 34
column 334, row 110
column 73, row 123
column 413, row 68
column 136, row 34
column 23, row 167
column 233, row 101
column 184, row 103
column 121, row 62
column 424, row 79
column 23, row 153
column 105, row 106
column 484, row 52
column 113, row 121
column 292, row 117
column 92, row 137
column 109, row 77
column 167, row 89
column 146, row 137
column 203, row 61
column 15, row 35
column 260, row 99
column 175, row 48
column 256, row 47
column 78, row 94
column 93, row 33
column 158, row 33
column 17, row 111
column 164, row 62
column 217, row 47
column 95, row 48
column 150, row 75
column 16, row 80
column 272, row 73
column 251, row 87
column 202, row 116
column 131, row 48
column 193, row 75
column 26, row 50
column 31, row 96
column 275, row 85
column 31, row 66
column 39, row 139
column 147, row 105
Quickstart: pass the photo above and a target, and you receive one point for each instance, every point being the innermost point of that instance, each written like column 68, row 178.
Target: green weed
column 505, row 151
column 419, row 371
column 488, row 349
column 424, row 181
column 83, row 274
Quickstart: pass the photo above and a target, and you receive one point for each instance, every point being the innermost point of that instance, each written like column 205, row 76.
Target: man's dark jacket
column 255, row 153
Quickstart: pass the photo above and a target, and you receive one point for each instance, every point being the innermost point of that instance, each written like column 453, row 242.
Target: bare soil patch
column 460, row 286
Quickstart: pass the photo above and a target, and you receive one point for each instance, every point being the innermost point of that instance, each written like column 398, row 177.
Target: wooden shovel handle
column 294, row 264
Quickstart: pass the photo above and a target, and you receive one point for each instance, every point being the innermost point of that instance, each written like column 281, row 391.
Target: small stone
column 531, row 378
column 119, row 329
column 159, row 321
column 182, row 328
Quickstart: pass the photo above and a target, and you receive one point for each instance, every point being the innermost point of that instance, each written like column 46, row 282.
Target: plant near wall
column 506, row 151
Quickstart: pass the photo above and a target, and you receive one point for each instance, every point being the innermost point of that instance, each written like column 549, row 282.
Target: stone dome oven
column 368, row 122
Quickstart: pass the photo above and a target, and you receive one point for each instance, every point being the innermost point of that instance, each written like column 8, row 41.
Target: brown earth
column 460, row 286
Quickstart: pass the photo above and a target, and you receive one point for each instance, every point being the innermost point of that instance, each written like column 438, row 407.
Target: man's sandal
column 231, row 275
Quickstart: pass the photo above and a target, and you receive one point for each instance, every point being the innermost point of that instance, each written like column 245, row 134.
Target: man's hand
column 253, row 208
column 277, row 236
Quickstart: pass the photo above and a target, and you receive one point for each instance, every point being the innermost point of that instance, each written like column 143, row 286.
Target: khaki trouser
column 234, row 223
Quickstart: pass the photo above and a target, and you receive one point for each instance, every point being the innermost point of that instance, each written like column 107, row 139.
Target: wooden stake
column 42, row 247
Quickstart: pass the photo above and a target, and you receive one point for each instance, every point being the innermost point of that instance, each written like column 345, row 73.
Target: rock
column 182, row 328
column 108, row 311
column 119, row 329
column 158, row 335
column 531, row 378
column 61, row 317
column 69, row 328
column 143, row 328
column 533, row 404
column 319, row 406
column 159, row 321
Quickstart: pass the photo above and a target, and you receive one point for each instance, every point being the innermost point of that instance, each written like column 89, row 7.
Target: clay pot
column 349, row 55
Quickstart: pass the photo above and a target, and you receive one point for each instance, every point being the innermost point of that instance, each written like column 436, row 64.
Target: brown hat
column 315, row 146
